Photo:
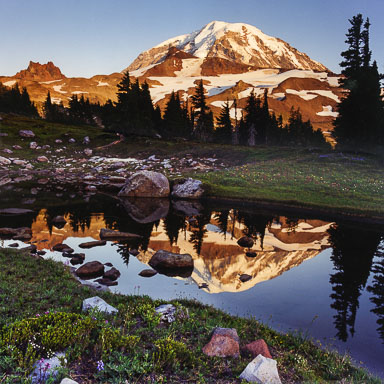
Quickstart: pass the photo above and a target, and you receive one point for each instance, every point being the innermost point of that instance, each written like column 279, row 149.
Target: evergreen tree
column 203, row 117
column 12, row 100
column 361, row 110
column 223, row 132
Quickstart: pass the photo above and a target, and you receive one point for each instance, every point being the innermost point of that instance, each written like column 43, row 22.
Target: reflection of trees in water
column 255, row 224
column 173, row 223
column 222, row 219
column 352, row 255
column 198, row 229
column 377, row 289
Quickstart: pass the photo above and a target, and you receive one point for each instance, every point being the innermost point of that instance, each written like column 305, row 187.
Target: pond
column 310, row 274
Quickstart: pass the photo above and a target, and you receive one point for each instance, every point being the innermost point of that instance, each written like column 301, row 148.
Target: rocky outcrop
column 146, row 184
column 40, row 72
column 189, row 189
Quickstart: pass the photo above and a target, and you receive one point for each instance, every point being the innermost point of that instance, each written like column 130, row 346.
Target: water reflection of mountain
column 219, row 260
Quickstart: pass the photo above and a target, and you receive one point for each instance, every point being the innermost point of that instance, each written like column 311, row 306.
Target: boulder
column 148, row 273
column 98, row 303
column 90, row 270
column 261, row 370
column 110, row 234
column 22, row 236
column 91, row 244
column 61, row 247
column 144, row 210
column 50, row 367
column 167, row 313
column 244, row 277
column 251, row 254
column 77, row 258
column 258, row 347
column 189, row 189
column 172, row 264
column 4, row 161
column 17, row 147
column 224, row 343
column 42, row 159
column 112, row 274
column 245, row 242
column 26, row 133
column 146, row 184
column 19, row 162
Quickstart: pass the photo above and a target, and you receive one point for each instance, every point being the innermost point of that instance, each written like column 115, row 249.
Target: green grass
column 163, row 353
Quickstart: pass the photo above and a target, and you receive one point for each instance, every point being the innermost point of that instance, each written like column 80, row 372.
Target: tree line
column 14, row 100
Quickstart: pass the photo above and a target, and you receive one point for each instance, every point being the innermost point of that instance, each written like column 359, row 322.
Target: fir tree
column 223, row 132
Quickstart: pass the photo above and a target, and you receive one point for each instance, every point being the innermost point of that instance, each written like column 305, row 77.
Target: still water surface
column 320, row 277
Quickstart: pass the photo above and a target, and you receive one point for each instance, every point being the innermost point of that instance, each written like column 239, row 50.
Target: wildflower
column 37, row 315
column 100, row 365
column 106, row 321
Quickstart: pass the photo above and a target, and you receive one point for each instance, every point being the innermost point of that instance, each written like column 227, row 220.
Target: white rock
column 86, row 140
column 58, row 141
column 4, row 161
column 16, row 147
column 54, row 365
column 88, row 152
column 26, row 133
column 190, row 189
column 72, row 140
column 6, row 150
column 68, row 381
column 42, row 159
column 99, row 303
column 261, row 370
column 33, row 145
column 19, row 162
column 167, row 312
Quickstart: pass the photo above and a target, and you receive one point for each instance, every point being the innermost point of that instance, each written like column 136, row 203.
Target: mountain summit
column 40, row 72
column 238, row 43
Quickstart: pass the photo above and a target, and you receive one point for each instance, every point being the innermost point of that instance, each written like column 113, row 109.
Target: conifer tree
column 361, row 111
column 203, row 117
column 223, row 132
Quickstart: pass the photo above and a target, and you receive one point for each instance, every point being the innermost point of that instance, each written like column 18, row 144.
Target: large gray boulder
column 146, row 184
column 189, row 189
column 261, row 370
column 172, row 264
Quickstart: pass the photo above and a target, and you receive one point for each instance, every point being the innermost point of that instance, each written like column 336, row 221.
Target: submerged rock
column 110, row 234
column 245, row 242
column 146, row 184
column 91, row 244
column 90, row 270
column 144, row 210
column 172, row 264
column 148, row 273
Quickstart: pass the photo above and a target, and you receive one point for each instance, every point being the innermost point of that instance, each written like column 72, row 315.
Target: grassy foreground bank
column 326, row 179
column 133, row 345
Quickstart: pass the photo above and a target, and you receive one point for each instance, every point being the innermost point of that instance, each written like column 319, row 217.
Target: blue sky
column 89, row 37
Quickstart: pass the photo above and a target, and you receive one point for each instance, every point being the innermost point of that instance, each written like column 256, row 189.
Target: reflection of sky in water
column 290, row 291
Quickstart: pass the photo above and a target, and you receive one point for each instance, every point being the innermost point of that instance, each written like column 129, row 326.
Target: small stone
column 148, row 273
column 17, row 147
column 4, row 161
column 167, row 312
column 42, row 159
column 244, row 277
column 134, row 252
column 41, row 253
column 6, row 150
column 261, row 370
column 68, row 381
column 33, row 145
column 108, row 264
column 203, row 286
column 110, row 234
column 26, row 133
column 251, row 254
column 58, row 141
column 72, row 140
column 60, row 247
column 245, row 242
column 106, row 282
column 13, row 245
column 258, row 347
column 100, row 304
column 86, row 140
column 88, row 152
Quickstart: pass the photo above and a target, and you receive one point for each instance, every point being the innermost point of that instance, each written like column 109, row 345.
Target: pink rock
column 224, row 343
column 258, row 347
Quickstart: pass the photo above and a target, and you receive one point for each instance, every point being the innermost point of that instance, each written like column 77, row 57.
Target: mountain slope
column 236, row 42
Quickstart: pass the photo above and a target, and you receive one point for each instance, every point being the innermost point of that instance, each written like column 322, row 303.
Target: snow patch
column 56, row 100
column 78, row 92
column 10, row 83
column 303, row 94
column 49, row 82
column 57, row 88
column 101, row 84
column 327, row 111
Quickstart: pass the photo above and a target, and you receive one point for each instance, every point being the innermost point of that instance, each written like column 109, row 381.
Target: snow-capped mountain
column 239, row 43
